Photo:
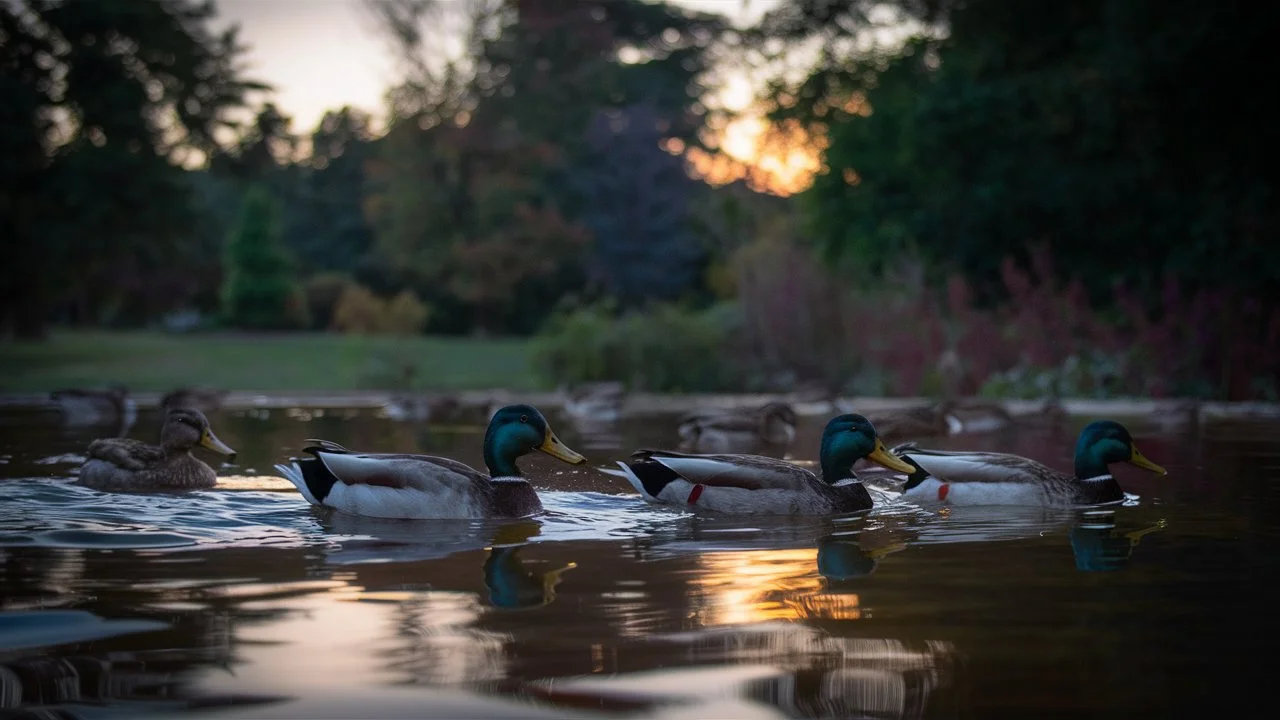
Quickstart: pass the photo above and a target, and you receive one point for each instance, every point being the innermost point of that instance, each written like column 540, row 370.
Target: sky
column 323, row 54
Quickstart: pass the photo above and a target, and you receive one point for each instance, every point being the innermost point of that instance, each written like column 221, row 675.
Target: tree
column 259, row 292
column 96, row 92
column 637, row 197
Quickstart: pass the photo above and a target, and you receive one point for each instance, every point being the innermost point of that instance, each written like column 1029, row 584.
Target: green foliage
column 1101, row 128
column 259, row 292
column 664, row 349
column 94, row 92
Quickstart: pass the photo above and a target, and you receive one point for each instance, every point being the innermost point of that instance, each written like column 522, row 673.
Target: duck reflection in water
column 1099, row 547
column 512, row 585
column 842, row 558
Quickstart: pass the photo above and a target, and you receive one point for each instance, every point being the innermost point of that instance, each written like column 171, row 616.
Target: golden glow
column 779, row 158
column 734, row 588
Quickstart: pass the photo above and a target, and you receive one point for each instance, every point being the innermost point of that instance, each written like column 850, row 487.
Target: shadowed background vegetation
column 1072, row 201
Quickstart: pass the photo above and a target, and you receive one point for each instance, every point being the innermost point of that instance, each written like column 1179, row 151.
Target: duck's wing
column 125, row 453
column 427, row 473
column 750, row 472
column 989, row 467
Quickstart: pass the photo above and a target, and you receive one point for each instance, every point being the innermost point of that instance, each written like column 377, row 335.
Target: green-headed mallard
column 753, row 484
column 127, row 464
column 83, row 407
column 395, row 485
column 987, row 478
column 738, row 430
column 206, row 400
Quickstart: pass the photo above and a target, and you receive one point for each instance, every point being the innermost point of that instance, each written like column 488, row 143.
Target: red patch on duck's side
column 695, row 494
column 943, row 489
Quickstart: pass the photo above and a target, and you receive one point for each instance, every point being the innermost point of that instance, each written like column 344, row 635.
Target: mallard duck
column 206, row 400
column 109, row 406
column 753, row 484
column 738, row 430
column 127, row 464
column 421, row 408
column 595, row 402
column 395, row 485
column 940, row 419
column 987, row 478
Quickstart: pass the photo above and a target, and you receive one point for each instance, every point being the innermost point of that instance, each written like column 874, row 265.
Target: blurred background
column 900, row 198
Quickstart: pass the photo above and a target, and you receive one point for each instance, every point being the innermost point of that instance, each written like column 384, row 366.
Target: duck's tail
column 293, row 474
column 630, row 476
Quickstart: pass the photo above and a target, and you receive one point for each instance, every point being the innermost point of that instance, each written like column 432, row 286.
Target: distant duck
column 206, row 400
column 422, row 408
column 940, row 419
column 88, row 407
column 738, row 430
column 987, row 478
column 123, row 464
column 753, row 484
column 594, row 402
column 402, row 485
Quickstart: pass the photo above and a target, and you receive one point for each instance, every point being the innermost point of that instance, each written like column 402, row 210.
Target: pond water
column 244, row 601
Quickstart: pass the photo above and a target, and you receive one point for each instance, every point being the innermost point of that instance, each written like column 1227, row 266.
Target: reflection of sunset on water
column 758, row 586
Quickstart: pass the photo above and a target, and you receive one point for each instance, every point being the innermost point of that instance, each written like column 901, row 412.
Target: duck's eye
column 524, row 418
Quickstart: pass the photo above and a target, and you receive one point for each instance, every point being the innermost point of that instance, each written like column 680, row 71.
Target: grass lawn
column 146, row 361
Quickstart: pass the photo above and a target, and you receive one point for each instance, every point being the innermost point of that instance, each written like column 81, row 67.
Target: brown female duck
column 128, row 464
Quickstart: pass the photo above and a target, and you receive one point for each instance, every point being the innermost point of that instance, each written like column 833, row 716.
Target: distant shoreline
column 646, row 403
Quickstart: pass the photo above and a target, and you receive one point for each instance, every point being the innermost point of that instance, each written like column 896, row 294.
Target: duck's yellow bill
column 1137, row 458
column 552, row 446
column 211, row 441
column 882, row 456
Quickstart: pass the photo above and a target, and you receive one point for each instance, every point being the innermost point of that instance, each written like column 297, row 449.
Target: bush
column 664, row 349
column 323, row 292
column 361, row 312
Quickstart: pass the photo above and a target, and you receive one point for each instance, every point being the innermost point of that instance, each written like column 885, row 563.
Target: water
column 243, row 601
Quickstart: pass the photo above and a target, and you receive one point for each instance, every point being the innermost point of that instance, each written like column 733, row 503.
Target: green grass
column 146, row 361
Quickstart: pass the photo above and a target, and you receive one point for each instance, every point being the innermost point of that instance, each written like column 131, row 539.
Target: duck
column 989, row 478
column 757, row 485
column 738, row 430
column 122, row 464
column 422, row 408
column 594, row 402
column 407, row 486
column 86, row 407
column 206, row 400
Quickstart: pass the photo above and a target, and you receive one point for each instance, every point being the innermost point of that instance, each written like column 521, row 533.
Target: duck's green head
column 1104, row 442
column 517, row 430
column 848, row 438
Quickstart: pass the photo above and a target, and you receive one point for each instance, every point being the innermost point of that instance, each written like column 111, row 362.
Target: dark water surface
column 244, row 601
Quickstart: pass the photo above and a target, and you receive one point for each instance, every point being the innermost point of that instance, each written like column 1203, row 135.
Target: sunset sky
column 323, row 54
